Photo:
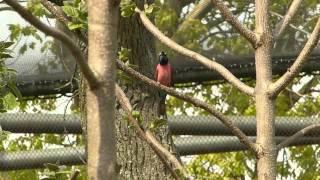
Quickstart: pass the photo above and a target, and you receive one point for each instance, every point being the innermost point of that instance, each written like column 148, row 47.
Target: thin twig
column 297, row 135
column 74, row 49
column 276, row 87
column 152, row 142
column 211, row 64
column 75, row 174
column 196, row 102
column 231, row 19
column 287, row 18
column 297, row 93
column 291, row 25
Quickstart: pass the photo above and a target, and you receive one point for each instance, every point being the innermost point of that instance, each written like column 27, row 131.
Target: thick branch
column 230, row 18
column 196, row 102
column 74, row 49
column 211, row 64
column 285, row 79
column 162, row 152
column 297, row 135
column 287, row 18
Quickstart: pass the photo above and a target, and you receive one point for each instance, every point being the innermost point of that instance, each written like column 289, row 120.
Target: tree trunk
column 136, row 159
column 264, row 104
column 103, row 22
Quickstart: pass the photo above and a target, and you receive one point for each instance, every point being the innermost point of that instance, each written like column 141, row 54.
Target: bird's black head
column 163, row 59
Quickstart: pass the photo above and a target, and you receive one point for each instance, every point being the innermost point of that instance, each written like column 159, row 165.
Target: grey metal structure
column 178, row 125
column 38, row 158
column 75, row 156
column 209, row 125
column 216, row 144
column 211, row 136
column 40, row 123
column 185, row 71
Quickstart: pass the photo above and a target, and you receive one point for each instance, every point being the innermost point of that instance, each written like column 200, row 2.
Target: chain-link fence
column 192, row 135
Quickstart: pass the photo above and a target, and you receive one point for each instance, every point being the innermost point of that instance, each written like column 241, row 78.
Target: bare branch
column 6, row 9
column 75, row 174
column 199, row 10
column 230, row 18
column 276, row 87
column 287, row 18
column 211, row 64
column 297, row 135
column 58, row 13
column 291, row 25
column 196, row 102
column 74, row 49
column 162, row 152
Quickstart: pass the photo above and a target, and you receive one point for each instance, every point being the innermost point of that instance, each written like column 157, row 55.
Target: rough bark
column 267, row 156
column 103, row 20
column 136, row 158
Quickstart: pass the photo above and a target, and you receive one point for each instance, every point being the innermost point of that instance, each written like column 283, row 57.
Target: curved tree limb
column 148, row 137
column 231, row 19
column 74, row 49
column 276, row 87
column 297, row 135
column 287, row 18
column 211, row 64
column 196, row 102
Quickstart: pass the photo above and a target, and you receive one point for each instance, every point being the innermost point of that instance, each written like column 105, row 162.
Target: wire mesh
column 191, row 134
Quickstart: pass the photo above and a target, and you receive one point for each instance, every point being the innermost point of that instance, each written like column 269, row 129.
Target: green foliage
column 35, row 7
column 124, row 54
column 4, row 51
column 78, row 13
column 151, row 9
column 127, row 8
column 157, row 123
column 166, row 20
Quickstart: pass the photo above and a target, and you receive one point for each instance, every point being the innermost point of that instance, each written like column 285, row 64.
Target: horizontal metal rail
column 38, row 158
column 192, row 145
column 209, row 125
column 178, row 125
column 216, row 144
column 40, row 123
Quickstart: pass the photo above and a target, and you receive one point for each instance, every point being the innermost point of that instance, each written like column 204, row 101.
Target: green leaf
column 52, row 167
column 136, row 114
column 73, row 26
column 15, row 90
column 149, row 9
column 15, row 31
column 127, row 8
column 23, row 49
column 157, row 123
column 5, row 56
column 4, row 45
column 124, row 54
column 71, row 11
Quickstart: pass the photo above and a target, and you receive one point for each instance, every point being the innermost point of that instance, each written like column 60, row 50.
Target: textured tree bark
column 267, row 156
column 103, row 23
column 136, row 159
